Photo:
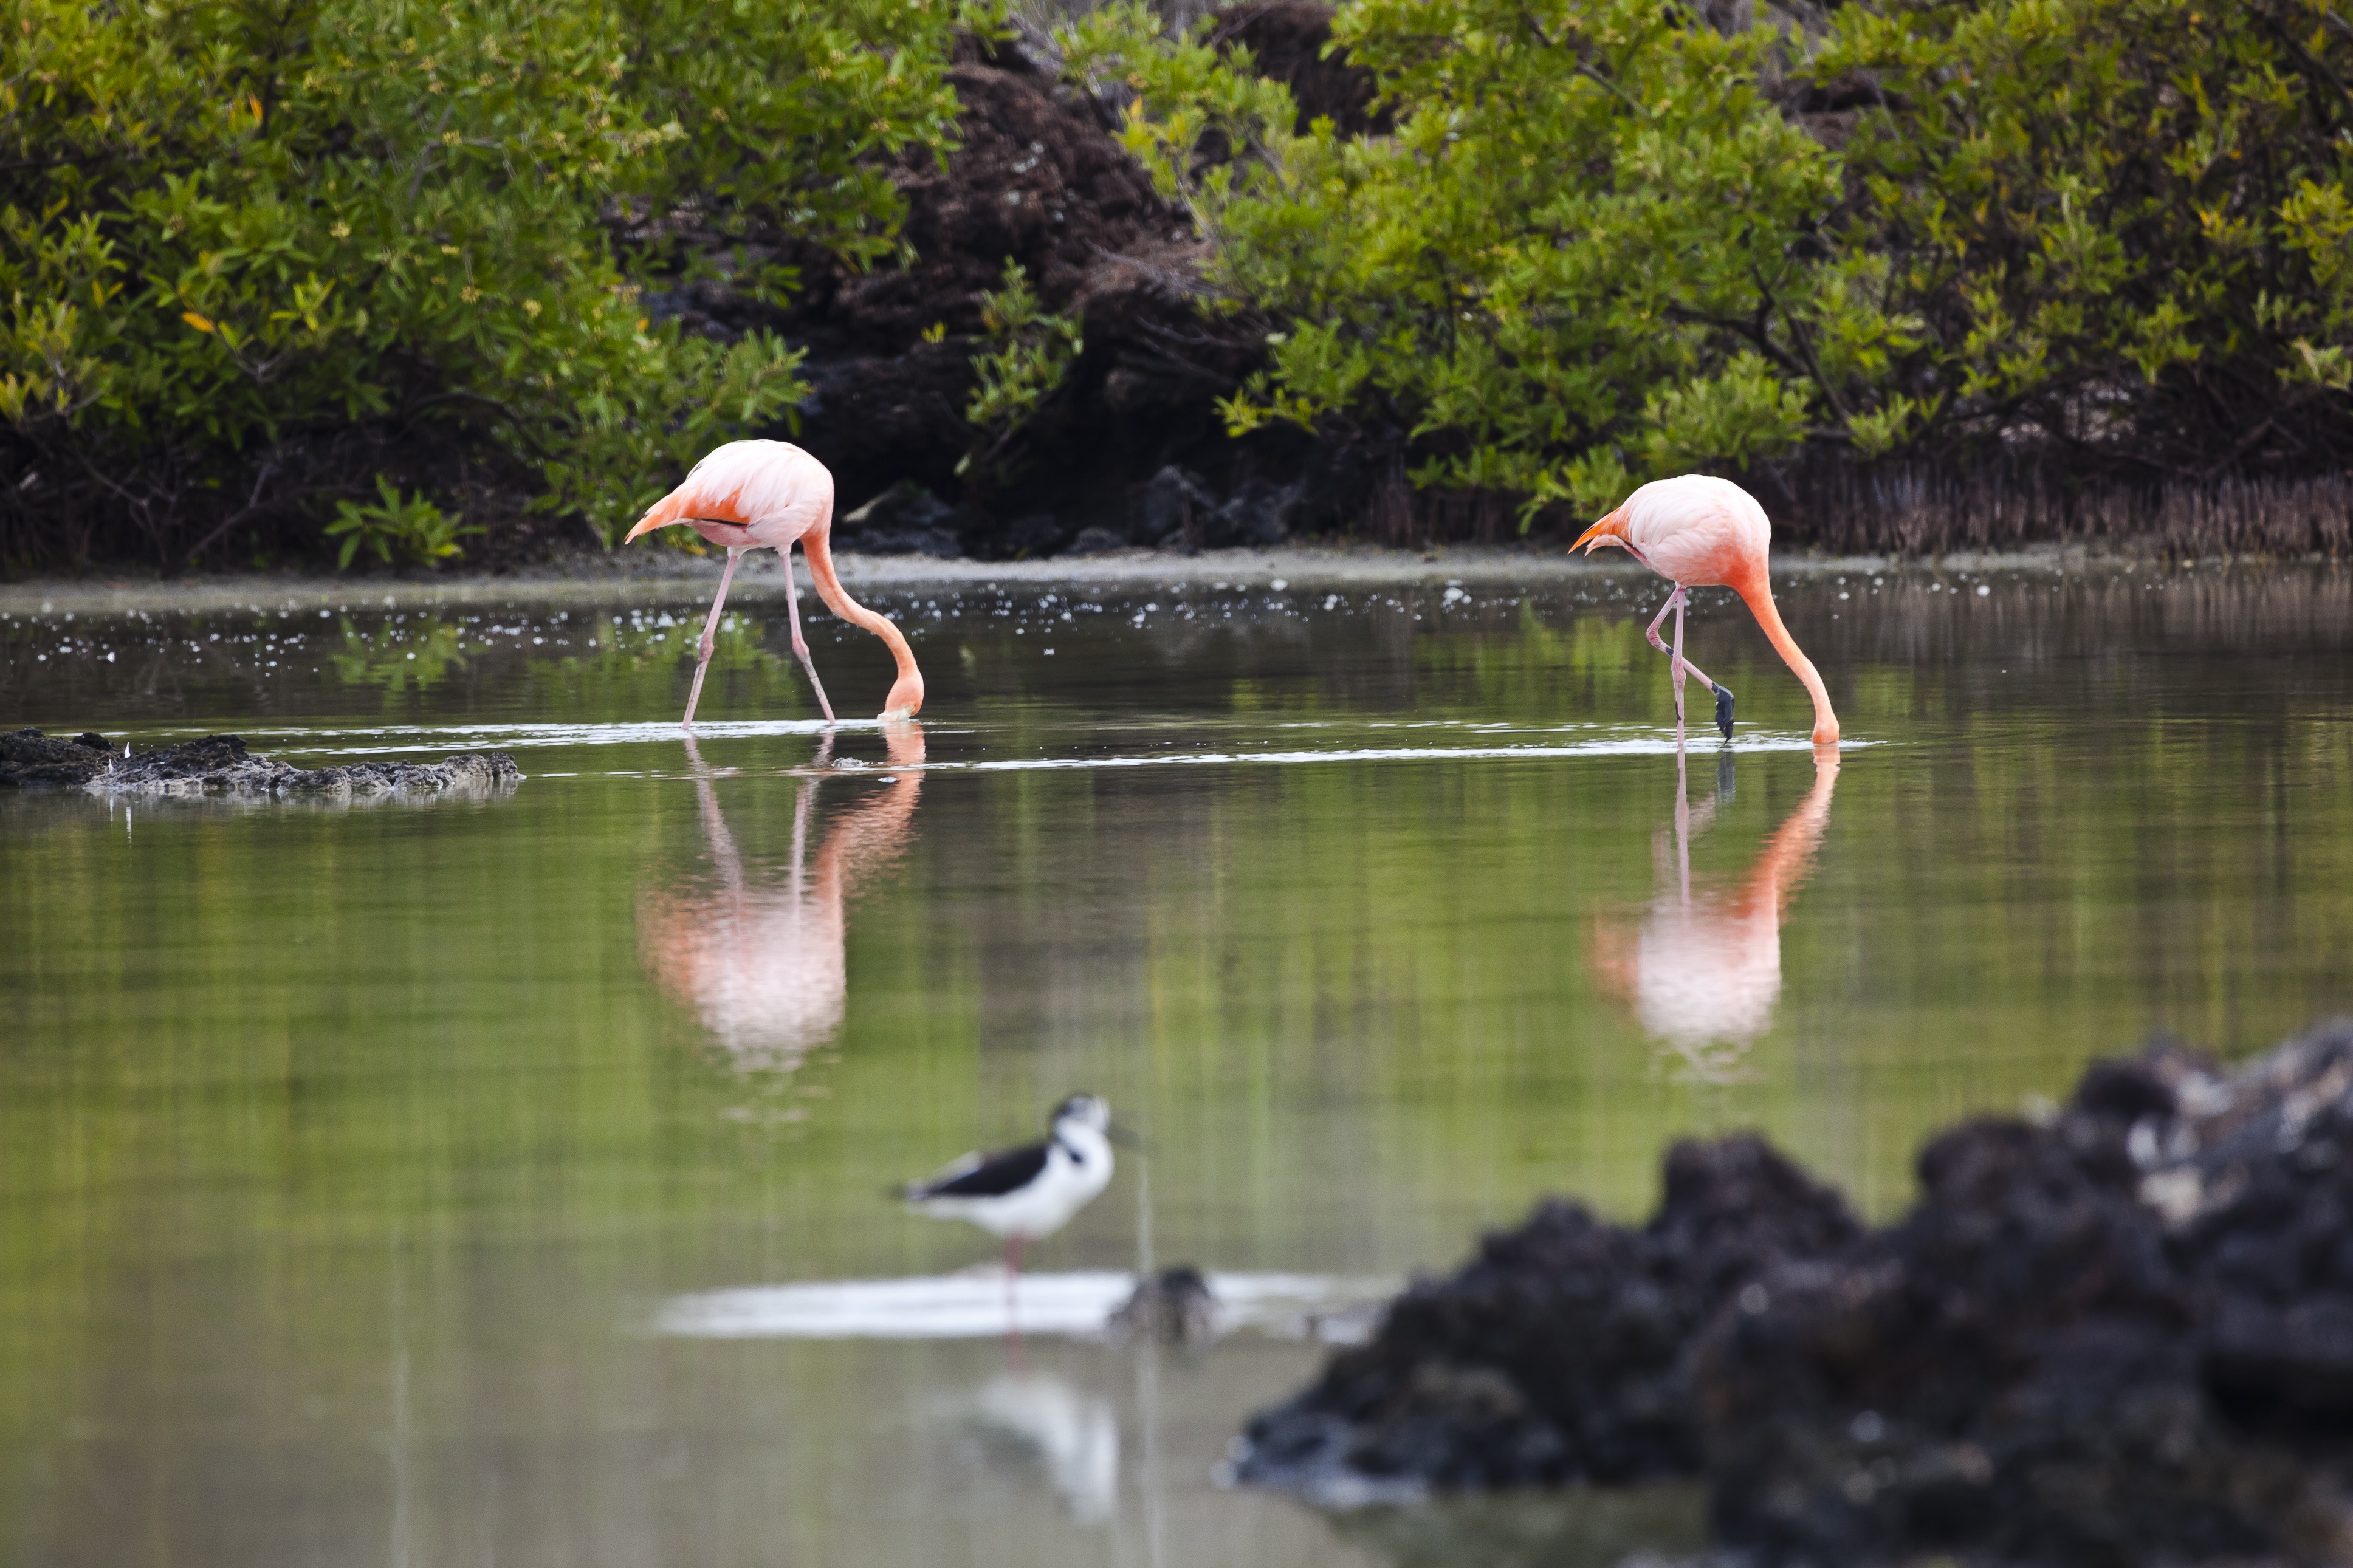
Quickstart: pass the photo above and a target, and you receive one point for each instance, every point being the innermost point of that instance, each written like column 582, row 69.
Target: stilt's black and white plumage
column 1029, row 1193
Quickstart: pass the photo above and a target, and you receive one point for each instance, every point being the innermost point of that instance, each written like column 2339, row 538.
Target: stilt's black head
column 1724, row 710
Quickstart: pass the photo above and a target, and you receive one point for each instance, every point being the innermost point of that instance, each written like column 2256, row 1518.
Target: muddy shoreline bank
column 650, row 575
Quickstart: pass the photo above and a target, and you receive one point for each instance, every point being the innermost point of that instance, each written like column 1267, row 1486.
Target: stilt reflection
column 1033, row 1418
column 1703, row 972
column 761, row 962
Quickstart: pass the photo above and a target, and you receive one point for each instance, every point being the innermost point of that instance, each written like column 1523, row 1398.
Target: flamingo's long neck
column 1758, row 592
column 907, row 691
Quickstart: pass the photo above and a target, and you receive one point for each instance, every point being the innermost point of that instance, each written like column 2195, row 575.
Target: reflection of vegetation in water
column 638, row 658
column 416, row 662
column 568, row 658
column 1581, row 1527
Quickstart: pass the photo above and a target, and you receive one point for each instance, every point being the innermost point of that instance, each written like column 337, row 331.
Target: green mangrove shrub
column 1583, row 256
column 2122, row 224
column 254, row 254
column 786, row 110
column 1031, row 348
column 1608, row 242
column 412, row 526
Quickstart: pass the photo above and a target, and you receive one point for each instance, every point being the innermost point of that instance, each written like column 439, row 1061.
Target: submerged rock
column 2123, row 1335
column 220, row 764
column 1173, row 1307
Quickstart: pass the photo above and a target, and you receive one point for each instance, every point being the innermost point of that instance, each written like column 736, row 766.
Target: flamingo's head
column 1611, row 530
column 906, row 699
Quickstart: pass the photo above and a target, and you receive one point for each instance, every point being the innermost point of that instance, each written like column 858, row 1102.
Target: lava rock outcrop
column 220, row 764
column 1561, row 1353
column 29, row 757
column 1040, row 179
column 2121, row 1335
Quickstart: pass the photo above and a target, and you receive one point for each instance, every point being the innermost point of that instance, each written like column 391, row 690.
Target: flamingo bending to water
column 768, row 495
column 1697, row 532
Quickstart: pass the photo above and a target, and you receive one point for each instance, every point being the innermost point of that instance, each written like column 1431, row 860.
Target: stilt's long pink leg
column 800, row 647
column 710, row 631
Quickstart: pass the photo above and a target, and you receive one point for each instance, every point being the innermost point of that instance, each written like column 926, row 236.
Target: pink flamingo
column 768, row 495
column 1697, row 532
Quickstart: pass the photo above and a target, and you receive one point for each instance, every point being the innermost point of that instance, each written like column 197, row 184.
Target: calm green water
column 349, row 1156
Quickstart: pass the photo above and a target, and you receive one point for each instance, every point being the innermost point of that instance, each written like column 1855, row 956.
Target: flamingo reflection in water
column 1703, row 973
column 761, row 962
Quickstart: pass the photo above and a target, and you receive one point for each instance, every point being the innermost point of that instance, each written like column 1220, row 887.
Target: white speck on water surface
column 1982, row 590
column 1279, row 584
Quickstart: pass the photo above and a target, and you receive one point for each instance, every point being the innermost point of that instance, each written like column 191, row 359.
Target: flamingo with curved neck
column 1698, row 531
column 770, row 495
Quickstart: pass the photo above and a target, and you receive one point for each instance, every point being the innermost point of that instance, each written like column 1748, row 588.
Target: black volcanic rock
column 907, row 520
column 220, row 764
column 29, row 757
column 1287, row 39
column 2121, row 1336
column 1562, row 1352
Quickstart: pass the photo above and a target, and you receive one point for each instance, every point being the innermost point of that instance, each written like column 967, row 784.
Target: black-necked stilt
column 1029, row 1193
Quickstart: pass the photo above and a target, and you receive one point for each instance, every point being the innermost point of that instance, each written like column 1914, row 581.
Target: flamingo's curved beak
column 1611, row 530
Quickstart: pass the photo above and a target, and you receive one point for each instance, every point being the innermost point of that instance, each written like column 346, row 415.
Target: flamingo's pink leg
column 800, row 647
column 1675, row 661
column 1675, row 603
column 710, row 631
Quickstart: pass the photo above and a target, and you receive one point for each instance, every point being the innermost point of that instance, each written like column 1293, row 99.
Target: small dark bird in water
column 1173, row 1307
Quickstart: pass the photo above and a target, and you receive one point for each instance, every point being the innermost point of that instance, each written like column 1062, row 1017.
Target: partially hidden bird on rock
column 1698, row 531
column 770, row 495
column 1028, row 1194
